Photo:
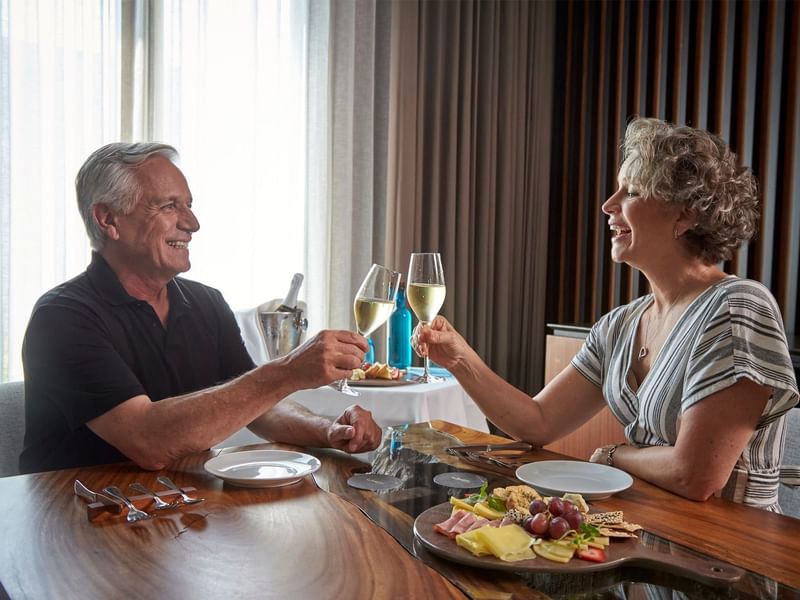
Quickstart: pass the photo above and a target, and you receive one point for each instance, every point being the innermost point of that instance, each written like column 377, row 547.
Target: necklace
column 644, row 350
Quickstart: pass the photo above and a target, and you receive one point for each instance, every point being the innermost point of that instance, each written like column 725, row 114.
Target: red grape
column 556, row 507
column 526, row 523
column 558, row 527
column 567, row 507
column 539, row 524
column 574, row 518
column 537, row 506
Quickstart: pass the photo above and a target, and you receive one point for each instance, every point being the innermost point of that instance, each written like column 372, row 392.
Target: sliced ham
column 479, row 522
column 464, row 524
column 446, row 526
column 462, row 521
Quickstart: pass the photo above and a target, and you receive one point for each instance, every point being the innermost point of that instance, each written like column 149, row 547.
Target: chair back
column 789, row 489
column 12, row 426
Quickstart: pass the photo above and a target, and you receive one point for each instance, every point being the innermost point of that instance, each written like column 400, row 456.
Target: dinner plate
column 262, row 468
column 556, row 477
column 380, row 382
column 620, row 552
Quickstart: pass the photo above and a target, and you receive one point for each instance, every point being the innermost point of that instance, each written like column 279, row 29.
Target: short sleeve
column 234, row 358
column 743, row 338
column 589, row 359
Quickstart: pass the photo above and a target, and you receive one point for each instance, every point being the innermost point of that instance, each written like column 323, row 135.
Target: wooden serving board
column 627, row 552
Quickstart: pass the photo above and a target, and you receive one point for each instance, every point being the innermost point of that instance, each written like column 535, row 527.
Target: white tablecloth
column 390, row 406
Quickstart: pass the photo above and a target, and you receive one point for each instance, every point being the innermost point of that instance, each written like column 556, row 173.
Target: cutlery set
column 112, row 500
column 508, row 459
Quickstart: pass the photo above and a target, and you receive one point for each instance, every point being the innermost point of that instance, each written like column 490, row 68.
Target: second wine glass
column 373, row 305
column 425, row 294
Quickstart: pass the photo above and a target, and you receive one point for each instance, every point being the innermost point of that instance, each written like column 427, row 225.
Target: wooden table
column 315, row 539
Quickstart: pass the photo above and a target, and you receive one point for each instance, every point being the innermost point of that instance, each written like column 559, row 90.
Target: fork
column 160, row 504
column 490, row 459
column 134, row 514
column 169, row 483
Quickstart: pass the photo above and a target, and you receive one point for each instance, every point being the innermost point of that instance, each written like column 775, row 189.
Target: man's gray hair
column 107, row 177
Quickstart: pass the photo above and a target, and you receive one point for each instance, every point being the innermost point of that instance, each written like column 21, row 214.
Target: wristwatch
column 610, row 450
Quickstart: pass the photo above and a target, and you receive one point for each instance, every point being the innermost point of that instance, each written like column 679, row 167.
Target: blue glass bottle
column 369, row 357
column 400, row 332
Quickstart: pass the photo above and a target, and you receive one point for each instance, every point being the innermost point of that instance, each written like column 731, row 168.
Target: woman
column 698, row 371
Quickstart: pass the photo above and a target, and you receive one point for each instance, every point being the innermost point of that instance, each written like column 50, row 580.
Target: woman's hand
column 441, row 342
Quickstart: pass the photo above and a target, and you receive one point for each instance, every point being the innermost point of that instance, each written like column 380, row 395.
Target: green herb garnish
column 496, row 504
column 481, row 495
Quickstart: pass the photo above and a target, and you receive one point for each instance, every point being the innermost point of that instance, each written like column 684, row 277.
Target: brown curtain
column 469, row 163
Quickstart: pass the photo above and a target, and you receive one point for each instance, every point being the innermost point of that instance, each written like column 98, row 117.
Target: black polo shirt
column 90, row 346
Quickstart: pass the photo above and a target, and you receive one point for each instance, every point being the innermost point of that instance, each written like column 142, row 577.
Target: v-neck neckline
column 629, row 375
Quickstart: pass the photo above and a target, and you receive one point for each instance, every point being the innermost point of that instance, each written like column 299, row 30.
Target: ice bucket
column 283, row 331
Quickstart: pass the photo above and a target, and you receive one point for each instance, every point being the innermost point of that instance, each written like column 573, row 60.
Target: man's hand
column 442, row 342
column 354, row 431
column 328, row 356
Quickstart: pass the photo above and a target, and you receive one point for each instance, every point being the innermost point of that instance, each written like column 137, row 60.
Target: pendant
column 642, row 352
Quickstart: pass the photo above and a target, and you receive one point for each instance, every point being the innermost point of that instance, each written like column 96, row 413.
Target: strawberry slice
column 592, row 554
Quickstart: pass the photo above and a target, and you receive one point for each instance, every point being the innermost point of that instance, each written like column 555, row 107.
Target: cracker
column 605, row 518
column 615, row 533
column 624, row 526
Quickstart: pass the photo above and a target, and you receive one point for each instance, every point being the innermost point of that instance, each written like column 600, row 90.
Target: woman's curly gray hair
column 696, row 169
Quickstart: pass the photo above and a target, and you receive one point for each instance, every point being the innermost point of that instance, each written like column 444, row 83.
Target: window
column 224, row 82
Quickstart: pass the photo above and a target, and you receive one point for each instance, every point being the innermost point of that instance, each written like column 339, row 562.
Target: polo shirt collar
column 109, row 287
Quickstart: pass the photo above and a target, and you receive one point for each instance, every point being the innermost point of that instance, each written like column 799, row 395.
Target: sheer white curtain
column 347, row 149
column 59, row 100
column 277, row 107
column 228, row 90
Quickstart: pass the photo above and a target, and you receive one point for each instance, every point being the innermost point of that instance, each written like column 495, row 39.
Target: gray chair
column 789, row 495
column 12, row 426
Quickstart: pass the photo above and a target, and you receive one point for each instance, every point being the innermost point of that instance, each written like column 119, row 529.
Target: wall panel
column 730, row 67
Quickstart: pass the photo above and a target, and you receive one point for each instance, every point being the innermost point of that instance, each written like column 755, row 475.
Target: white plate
column 556, row 477
column 262, row 468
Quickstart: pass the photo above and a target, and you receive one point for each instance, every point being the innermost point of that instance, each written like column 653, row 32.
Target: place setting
column 112, row 501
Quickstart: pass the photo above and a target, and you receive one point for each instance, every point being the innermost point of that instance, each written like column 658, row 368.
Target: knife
column 107, row 501
column 521, row 446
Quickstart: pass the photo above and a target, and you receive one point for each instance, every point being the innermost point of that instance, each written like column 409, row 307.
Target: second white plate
column 262, row 468
column 556, row 477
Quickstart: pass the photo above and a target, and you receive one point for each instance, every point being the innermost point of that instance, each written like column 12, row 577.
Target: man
column 127, row 361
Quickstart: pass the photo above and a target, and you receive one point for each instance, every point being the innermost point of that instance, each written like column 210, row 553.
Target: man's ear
column 106, row 220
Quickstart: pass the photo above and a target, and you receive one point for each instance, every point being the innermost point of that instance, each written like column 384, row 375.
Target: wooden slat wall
column 730, row 67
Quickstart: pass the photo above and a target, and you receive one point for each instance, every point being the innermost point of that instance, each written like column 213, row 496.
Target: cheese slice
column 509, row 543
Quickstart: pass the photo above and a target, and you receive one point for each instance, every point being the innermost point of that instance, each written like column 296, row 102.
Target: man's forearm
column 155, row 434
column 292, row 423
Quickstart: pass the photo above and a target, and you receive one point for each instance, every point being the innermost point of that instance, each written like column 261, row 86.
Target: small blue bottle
column 400, row 332
column 369, row 357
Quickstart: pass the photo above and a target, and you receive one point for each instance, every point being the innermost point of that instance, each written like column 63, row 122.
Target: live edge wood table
column 320, row 538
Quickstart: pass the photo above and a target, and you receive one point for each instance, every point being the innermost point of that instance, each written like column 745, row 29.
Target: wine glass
column 425, row 292
column 373, row 305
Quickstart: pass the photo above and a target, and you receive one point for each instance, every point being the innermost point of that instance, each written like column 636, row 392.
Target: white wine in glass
column 425, row 294
column 373, row 305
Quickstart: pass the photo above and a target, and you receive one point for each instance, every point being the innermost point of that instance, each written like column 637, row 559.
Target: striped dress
column 730, row 331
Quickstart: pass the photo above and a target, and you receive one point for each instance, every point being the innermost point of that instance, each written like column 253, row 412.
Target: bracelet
column 610, row 454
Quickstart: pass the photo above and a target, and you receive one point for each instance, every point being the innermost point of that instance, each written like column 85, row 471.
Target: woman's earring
column 675, row 233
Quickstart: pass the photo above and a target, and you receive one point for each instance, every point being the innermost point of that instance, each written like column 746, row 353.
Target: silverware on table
column 169, row 483
column 521, row 446
column 134, row 514
column 160, row 504
column 84, row 492
column 477, row 456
